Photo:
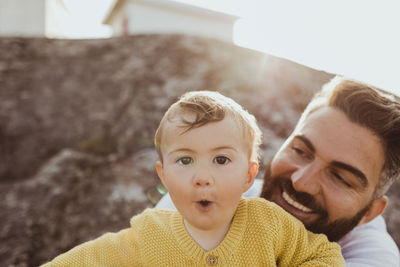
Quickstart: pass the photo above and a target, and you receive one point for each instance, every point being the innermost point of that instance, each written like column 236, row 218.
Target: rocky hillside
column 77, row 119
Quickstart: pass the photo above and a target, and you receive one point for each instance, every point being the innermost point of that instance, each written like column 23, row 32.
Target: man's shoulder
column 255, row 189
column 375, row 229
column 370, row 242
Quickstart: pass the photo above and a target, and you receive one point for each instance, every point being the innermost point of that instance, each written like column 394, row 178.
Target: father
column 334, row 169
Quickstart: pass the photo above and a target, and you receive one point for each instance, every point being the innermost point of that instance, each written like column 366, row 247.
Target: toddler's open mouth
column 204, row 203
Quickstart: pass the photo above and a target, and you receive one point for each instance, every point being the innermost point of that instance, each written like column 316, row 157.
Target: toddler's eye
column 185, row 160
column 221, row 160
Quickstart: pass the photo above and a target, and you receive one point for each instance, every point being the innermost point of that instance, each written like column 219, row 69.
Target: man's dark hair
column 372, row 108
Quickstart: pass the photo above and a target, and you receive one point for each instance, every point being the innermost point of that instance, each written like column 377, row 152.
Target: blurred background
column 358, row 38
column 83, row 85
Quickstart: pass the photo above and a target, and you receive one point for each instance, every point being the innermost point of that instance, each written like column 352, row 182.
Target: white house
column 22, row 18
column 164, row 16
column 57, row 18
column 33, row 18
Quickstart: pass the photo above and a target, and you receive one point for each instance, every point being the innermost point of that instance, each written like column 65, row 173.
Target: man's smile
column 294, row 203
column 301, row 205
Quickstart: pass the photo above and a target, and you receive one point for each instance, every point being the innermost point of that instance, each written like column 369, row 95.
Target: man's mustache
column 303, row 198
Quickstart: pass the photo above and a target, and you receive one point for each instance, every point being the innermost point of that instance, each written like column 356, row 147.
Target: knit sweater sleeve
column 111, row 249
column 299, row 247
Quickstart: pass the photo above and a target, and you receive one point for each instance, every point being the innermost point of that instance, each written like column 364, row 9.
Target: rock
column 75, row 197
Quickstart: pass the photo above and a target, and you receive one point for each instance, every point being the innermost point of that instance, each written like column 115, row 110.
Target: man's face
column 326, row 172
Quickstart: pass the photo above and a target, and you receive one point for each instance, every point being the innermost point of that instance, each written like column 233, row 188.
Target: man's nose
column 307, row 178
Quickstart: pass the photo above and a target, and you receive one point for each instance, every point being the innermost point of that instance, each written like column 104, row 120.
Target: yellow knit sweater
column 261, row 234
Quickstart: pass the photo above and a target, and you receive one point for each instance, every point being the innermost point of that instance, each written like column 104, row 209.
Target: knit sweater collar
column 225, row 248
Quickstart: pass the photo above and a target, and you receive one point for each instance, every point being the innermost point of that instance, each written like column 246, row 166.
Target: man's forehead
column 332, row 126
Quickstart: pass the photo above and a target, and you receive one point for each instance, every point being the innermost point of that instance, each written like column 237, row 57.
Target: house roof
column 117, row 4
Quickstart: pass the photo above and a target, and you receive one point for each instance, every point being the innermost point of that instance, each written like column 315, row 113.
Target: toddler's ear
column 160, row 171
column 251, row 174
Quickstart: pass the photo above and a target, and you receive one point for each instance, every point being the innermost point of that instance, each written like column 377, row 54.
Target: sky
column 356, row 38
column 86, row 16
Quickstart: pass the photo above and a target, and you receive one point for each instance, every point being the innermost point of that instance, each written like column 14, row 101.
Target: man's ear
column 376, row 209
column 160, row 172
column 251, row 174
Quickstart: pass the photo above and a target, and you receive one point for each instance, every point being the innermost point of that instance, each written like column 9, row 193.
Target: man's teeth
column 294, row 203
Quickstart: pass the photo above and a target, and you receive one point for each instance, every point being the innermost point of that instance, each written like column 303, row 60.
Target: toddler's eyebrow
column 187, row 150
column 224, row 147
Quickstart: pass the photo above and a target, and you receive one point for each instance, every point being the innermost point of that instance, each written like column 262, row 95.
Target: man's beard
column 333, row 230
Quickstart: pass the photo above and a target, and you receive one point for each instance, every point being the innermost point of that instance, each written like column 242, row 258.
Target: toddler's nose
column 203, row 180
